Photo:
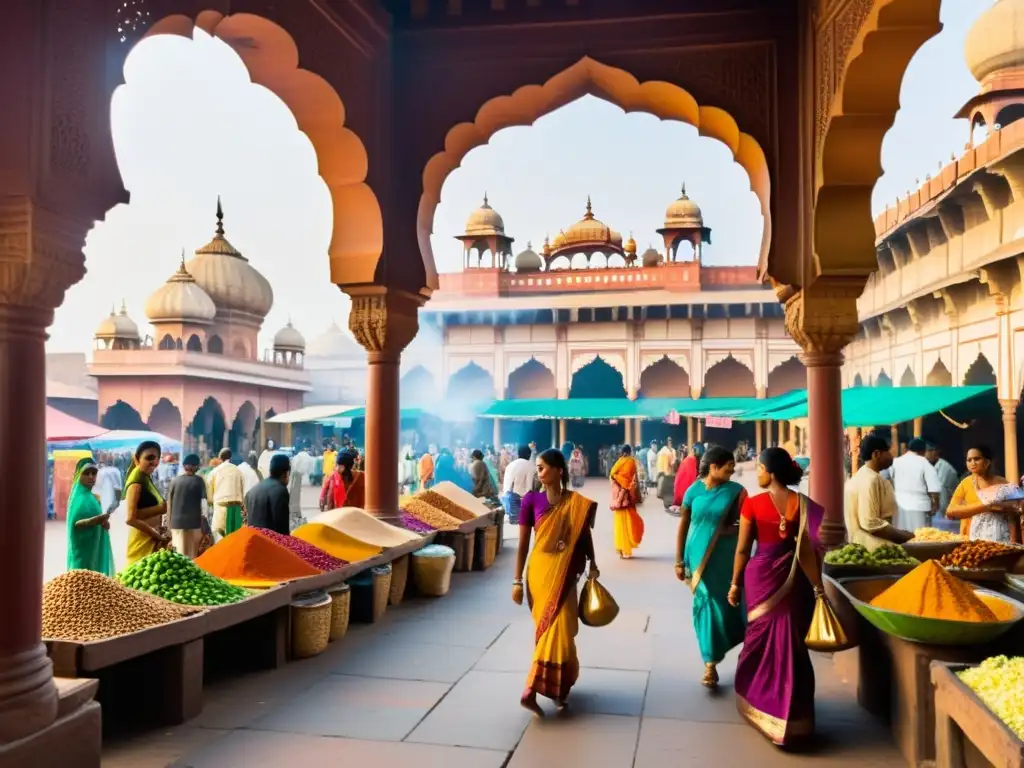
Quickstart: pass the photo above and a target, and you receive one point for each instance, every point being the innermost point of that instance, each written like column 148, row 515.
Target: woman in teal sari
column 705, row 551
column 88, row 526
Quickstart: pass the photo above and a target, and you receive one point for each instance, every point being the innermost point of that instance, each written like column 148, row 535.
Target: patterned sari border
column 699, row 573
column 558, row 596
column 774, row 728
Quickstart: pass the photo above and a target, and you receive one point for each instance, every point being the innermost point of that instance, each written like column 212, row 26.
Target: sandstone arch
column 122, row 415
column 939, row 376
column 980, row 372
column 165, row 418
column 883, row 379
column 597, row 378
column 908, row 379
column 871, row 42
column 587, row 76
column 729, row 378
column 531, row 380
column 786, row 377
column 858, row 381
column 417, row 388
column 665, row 378
column 272, row 58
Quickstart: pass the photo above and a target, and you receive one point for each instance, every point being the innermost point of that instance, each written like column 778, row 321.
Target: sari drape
column 555, row 565
column 88, row 548
column 628, row 526
column 685, row 478
column 708, row 556
column 140, row 544
column 774, row 676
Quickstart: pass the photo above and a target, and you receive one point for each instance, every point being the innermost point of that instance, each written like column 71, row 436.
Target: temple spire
column 590, row 213
column 486, row 204
column 220, row 218
column 684, row 189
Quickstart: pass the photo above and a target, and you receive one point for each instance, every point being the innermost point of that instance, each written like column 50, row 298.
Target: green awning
column 607, row 409
column 870, row 406
column 765, row 409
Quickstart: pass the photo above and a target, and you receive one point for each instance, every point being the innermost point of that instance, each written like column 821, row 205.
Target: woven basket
column 499, row 518
column 485, row 547
column 381, row 590
column 311, row 624
column 341, row 606
column 399, row 579
column 463, row 544
column 432, row 575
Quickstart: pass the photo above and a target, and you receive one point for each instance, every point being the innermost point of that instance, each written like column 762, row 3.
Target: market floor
column 436, row 684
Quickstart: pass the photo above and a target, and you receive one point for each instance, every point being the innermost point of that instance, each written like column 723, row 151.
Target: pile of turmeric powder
column 931, row 592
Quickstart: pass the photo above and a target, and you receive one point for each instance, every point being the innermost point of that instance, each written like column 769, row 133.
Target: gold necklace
column 782, row 517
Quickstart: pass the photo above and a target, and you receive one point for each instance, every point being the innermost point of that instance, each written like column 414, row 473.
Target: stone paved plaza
column 436, row 684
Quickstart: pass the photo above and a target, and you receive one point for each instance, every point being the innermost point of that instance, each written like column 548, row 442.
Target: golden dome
column 289, row 340
column 683, row 214
column 485, row 221
column 650, row 257
column 528, row 260
column 227, row 277
column 118, row 326
column 559, row 240
column 588, row 233
column 630, row 246
column 180, row 300
column 996, row 41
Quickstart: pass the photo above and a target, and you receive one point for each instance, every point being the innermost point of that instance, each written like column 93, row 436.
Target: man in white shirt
column 652, row 463
column 917, row 487
column 869, row 503
column 948, row 481
column 226, row 495
column 108, row 484
column 302, row 465
column 520, row 476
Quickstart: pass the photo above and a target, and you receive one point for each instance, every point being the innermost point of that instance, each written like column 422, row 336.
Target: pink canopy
column 60, row 426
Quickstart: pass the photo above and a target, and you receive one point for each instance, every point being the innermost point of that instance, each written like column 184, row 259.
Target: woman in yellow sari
column 145, row 504
column 629, row 526
column 561, row 520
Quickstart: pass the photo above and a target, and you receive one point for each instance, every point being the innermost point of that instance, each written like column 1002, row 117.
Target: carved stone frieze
column 384, row 322
column 40, row 254
column 837, row 27
column 71, row 25
column 822, row 318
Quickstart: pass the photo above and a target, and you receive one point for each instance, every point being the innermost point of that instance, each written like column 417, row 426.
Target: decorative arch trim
column 616, row 360
column 462, row 363
column 711, row 359
column 156, row 405
column 587, row 76
column 515, row 362
column 272, row 58
column 649, row 359
column 776, row 361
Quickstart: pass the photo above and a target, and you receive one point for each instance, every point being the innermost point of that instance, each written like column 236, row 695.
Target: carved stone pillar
column 1011, row 466
column 561, row 432
column 383, row 321
column 758, row 431
column 822, row 319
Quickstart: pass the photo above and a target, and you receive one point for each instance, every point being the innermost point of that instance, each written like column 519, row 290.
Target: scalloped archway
column 854, row 118
column 272, row 59
column 587, row 76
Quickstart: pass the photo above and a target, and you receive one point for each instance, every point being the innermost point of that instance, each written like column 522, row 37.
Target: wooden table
column 966, row 729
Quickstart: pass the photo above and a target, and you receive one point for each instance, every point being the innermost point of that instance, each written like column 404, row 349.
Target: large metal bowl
column 930, row 550
column 861, row 590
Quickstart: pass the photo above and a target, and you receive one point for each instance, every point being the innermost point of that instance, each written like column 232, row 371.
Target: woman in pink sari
column 774, row 676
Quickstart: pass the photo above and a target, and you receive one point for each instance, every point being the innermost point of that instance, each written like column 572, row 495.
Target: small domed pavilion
column 485, row 233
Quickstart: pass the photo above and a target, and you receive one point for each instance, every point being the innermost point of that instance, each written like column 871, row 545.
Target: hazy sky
column 188, row 125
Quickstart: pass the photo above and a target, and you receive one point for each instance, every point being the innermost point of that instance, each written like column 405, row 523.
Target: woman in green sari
column 88, row 525
column 705, row 551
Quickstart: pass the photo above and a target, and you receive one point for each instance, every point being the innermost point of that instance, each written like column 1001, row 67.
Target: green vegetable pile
column 999, row 682
column 858, row 554
column 174, row 577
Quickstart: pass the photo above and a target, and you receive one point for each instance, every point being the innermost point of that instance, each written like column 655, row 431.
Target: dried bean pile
column 446, row 505
column 311, row 554
column 974, row 554
column 416, row 526
column 432, row 516
column 85, row 605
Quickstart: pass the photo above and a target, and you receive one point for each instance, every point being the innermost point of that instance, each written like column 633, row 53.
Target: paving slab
column 265, row 749
column 403, row 657
column 358, row 707
column 578, row 741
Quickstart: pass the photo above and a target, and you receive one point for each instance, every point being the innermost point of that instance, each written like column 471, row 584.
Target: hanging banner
column 718, row 422
column 672, row 418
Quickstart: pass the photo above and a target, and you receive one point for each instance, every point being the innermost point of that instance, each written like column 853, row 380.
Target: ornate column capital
column 384, row 320
column 40, row 256
column 822, row 318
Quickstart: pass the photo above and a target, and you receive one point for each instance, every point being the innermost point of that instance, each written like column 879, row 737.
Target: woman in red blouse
column 774, row 676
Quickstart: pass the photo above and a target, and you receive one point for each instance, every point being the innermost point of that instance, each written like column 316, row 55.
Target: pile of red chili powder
column 312, row 555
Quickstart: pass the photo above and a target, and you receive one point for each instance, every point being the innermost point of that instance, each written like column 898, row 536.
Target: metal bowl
column 916, row 629
column 930, row 550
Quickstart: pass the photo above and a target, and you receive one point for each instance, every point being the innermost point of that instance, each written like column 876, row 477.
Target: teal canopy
column 870, row 406
column 608, row 409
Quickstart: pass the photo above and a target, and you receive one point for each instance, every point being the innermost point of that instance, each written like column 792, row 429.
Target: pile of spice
column 462, row 497
column 931, row 592
column 85, row 605
column 414, row 525
column 248, row 559
column 446, row 505
column 174, row 577
column 999, row 682
column 312, row 555
column 975, row 554
column 364, row 527
column 935, row 535
column 432, row 516
column 335, row 543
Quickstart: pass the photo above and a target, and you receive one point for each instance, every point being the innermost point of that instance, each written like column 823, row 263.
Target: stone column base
column 72, row 741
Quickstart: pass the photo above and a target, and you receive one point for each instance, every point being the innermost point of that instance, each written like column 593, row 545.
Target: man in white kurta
column 917, row 487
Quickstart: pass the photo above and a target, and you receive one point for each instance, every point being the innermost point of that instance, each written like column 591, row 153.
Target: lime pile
column 999, row 682
column 858, row 554
column 174, row 577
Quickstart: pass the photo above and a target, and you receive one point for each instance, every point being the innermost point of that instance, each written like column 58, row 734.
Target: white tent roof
column 311, row 413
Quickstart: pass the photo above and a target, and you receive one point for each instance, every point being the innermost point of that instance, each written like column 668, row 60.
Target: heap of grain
column 432, row 516
column 446, row 505
column 85, row 605
column 929, row 591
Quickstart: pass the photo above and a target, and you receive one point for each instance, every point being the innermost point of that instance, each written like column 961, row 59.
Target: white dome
column 528, row 260
column 289, row 339
column 180, row 300
column 485, row 221
column 227, row 277
column 118, row 326
column 334, row 343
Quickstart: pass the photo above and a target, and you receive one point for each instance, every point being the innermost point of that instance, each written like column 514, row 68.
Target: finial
column 183, row 259
column 529, row 245
column 113, row 309
column 684, row 189
column 124, row 307
column 590, row 213
column 486, row 204
column 220, row 218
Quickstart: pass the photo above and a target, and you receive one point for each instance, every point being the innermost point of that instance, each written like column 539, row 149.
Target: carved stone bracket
column 384, row 321
column 822, row 318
